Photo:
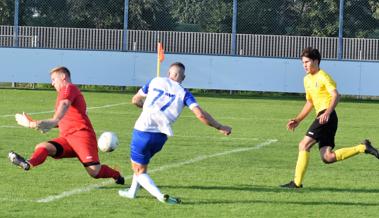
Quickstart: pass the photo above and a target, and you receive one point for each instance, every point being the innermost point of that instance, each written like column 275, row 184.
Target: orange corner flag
column 160, row 52
column 160, row 57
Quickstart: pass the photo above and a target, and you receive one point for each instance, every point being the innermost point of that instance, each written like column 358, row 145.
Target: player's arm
column 138, row 99
column 207, row 119
column 323, row 118
column 293, row 123
column 46, row 125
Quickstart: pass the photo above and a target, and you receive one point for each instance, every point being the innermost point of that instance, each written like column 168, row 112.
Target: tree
column 100, row 14
column 150, row 15
column 206, row 16
column 361, row 19
column 260, row 17
column 321, row 18
column 6, row 12
column 51, row 13
column 317, row 18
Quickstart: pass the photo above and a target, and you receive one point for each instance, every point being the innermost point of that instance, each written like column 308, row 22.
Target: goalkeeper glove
column 42, row 125
column 25, row 120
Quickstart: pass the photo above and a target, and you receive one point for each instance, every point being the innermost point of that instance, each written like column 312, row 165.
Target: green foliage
column 308, row 18
column 282, row 17
column 211, row 16
column 361, row 18
column 71, row 13
column 6, row 12
column 150, row 15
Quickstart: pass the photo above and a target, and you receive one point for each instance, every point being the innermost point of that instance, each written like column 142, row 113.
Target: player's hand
column 46, row 125
column 226, row 130
column 323, row 118
column 292, row 124
column 25, row 120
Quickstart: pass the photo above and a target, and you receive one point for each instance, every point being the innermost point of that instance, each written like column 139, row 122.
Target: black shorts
column 324, row 133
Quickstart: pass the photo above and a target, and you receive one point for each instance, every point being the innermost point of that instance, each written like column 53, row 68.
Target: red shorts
column 81, row 144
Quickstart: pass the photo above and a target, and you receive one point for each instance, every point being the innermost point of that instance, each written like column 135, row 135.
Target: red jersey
column 76, row 116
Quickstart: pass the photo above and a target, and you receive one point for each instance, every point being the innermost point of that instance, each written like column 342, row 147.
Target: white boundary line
column 13, row 200
column 10, row 126
column 216, row 138
column 164, row 167
column 89, row 108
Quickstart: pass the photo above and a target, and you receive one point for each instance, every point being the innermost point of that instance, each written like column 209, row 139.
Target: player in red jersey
column 77, row 137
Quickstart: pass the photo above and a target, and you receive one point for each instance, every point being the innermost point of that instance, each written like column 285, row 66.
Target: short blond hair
column 61, row 69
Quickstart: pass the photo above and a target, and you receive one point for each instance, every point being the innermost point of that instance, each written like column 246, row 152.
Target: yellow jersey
column 318, row 87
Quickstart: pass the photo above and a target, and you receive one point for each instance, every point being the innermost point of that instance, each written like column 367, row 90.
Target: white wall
column 202, row 71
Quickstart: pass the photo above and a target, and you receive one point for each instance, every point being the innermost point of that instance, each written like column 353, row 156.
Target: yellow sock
column 344, row 153
column 301, row 167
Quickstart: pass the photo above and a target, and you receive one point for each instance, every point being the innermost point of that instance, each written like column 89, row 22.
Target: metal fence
column 187, row 42
column 273, row 28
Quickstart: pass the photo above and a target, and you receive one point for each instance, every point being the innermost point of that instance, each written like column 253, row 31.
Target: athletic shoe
column 126, row 193
column 291, row 185
column 17, row 160
column 370, row 149
column 170, row 200
column 120, row 180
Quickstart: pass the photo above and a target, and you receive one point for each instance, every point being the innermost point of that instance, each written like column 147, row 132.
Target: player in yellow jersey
column 321, row 93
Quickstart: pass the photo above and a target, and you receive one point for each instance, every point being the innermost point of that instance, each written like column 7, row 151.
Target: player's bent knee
column 139, row 169
column 51, row 150
column 41, row 145
column 93, row 170
column 328, row 159
column 303, row 146
column 93, row 175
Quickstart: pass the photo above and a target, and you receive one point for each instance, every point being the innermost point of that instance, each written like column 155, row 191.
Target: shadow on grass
column 113, row 186
column 268, row 189
column 273, row 189
column 279, row 202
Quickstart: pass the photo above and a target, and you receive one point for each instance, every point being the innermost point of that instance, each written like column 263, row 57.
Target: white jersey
column 165, row 99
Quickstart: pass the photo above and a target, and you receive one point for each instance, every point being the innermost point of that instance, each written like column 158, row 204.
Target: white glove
column 25, row 120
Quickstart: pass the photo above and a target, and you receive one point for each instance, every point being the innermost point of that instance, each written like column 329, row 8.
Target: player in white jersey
column 162, row 100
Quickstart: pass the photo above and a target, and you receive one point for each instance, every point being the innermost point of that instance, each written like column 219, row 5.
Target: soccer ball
column 107, row 142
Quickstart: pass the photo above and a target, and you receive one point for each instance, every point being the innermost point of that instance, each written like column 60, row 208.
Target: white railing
column 23, row 41
column 188, row 42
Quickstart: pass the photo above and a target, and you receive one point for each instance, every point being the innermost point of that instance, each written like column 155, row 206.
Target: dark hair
column 178, row 64
column 61, row 69
column 311, row 53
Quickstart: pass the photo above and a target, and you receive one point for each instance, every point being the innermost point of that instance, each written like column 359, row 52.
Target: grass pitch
column 214, row 175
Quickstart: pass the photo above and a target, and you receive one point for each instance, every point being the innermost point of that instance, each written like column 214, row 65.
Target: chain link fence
column 6, row 12
column 64, row 13
column 273, row 17
column 263, row 27
column 309, row 18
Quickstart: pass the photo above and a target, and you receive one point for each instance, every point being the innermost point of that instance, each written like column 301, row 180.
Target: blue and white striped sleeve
column 189, row 100
column 144, row 89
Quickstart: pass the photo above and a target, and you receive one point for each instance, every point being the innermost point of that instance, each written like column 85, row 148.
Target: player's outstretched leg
column 127, row 193
column 106, row 172
column 120, row 180
column 132, row 191
column 18, row 160
column 370, row 149
column 148, row 184
column 291, row 184
column 170, row 200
